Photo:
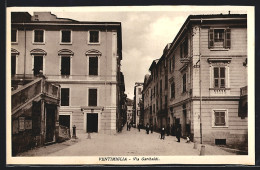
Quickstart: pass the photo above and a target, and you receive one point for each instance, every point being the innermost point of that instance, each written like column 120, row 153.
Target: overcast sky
column 145, row 31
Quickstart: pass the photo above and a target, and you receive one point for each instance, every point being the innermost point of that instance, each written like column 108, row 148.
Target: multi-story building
column 207, row 71
column 137, row 106
column 129, row 110
column 82, row 57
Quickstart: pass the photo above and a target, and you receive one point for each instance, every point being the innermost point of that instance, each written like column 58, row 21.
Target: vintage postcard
column 140, row 85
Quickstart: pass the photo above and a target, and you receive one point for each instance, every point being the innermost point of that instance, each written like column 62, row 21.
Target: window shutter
column 211, row 38
column 228, row 38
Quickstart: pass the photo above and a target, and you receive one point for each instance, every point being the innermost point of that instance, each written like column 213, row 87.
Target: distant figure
column 188, row 139
column 168, row 130
column 147, row 128
column 178, row 132
column 151, row 127
column 139, row 127
column 127, row 126
column 162, row 133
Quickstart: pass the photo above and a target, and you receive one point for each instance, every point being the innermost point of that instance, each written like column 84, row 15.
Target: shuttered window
column 92, row 97
column 65, row 96
column 219, row 38
column 220, row 118
column 219, row 77
column 93, row 66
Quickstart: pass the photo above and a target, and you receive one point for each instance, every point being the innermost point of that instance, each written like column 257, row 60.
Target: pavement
column 125, row 143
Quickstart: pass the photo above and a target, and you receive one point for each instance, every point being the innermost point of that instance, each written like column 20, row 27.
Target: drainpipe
column 200, row 80
column 24, row 52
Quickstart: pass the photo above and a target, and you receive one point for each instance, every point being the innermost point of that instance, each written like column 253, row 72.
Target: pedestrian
column 178, row 132
column 168, row 130
column 147, row 128
column 162, row 133
column 173, row 130
column 151, row 128
column 139, row 127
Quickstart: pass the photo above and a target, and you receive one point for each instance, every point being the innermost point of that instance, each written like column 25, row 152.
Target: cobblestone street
column 126, row 143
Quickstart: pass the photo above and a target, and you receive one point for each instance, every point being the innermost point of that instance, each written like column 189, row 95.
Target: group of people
column 173, row 130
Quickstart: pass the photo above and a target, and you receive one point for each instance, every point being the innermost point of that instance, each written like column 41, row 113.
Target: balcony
column 219, row 91
column 185, row 60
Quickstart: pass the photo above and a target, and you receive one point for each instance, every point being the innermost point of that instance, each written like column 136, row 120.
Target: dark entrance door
column 38, row 64
column 50, row 123
column 92, row 122
column 64, row 120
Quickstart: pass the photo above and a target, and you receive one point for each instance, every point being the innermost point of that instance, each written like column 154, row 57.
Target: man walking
column 178, row 132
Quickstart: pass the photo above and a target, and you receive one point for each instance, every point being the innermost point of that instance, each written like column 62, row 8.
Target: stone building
column 82, row 57
column 138, row 103
column 207, row 79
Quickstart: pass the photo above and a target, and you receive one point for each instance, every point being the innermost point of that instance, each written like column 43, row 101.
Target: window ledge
column 62, row 43
column 89, row 43
column 38, row 43
column 219, row 126
column 14, row 43
column 219, row 49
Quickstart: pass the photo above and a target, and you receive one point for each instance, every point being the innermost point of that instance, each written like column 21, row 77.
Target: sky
column 145, row 30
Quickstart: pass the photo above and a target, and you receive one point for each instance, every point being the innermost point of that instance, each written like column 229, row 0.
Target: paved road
column 126, row 143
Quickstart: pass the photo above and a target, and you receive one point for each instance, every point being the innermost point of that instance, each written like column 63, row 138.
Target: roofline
column 193, row 18
column 71, row 23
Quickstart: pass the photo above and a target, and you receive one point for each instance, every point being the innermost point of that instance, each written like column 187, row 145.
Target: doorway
column 92, row 122
column 50, row 123
column 38, row 64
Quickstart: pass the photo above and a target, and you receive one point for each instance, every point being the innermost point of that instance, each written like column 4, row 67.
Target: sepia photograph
column 130, row 85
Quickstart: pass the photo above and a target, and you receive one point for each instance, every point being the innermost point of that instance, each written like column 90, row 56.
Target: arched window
column 93, row 62
column 38, row 61
column 14, row 61
column 65, row 62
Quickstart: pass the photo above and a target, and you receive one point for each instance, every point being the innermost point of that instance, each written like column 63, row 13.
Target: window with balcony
column 94, row 37
column 219, row 77
column 184, row 48
column 38, row 36
column 66, row 36
column 92, row 97
column 219, row 38
column 65, row 96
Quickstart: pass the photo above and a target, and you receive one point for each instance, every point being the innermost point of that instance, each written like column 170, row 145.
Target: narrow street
column 126, row 143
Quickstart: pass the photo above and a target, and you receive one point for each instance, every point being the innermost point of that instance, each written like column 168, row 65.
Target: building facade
column 82, row 57
column 137, row 106
column 207, row 78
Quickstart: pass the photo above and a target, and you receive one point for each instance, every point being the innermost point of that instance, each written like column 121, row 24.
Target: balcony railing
column 31, row 91
column 243, row 91
column 185, row 59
